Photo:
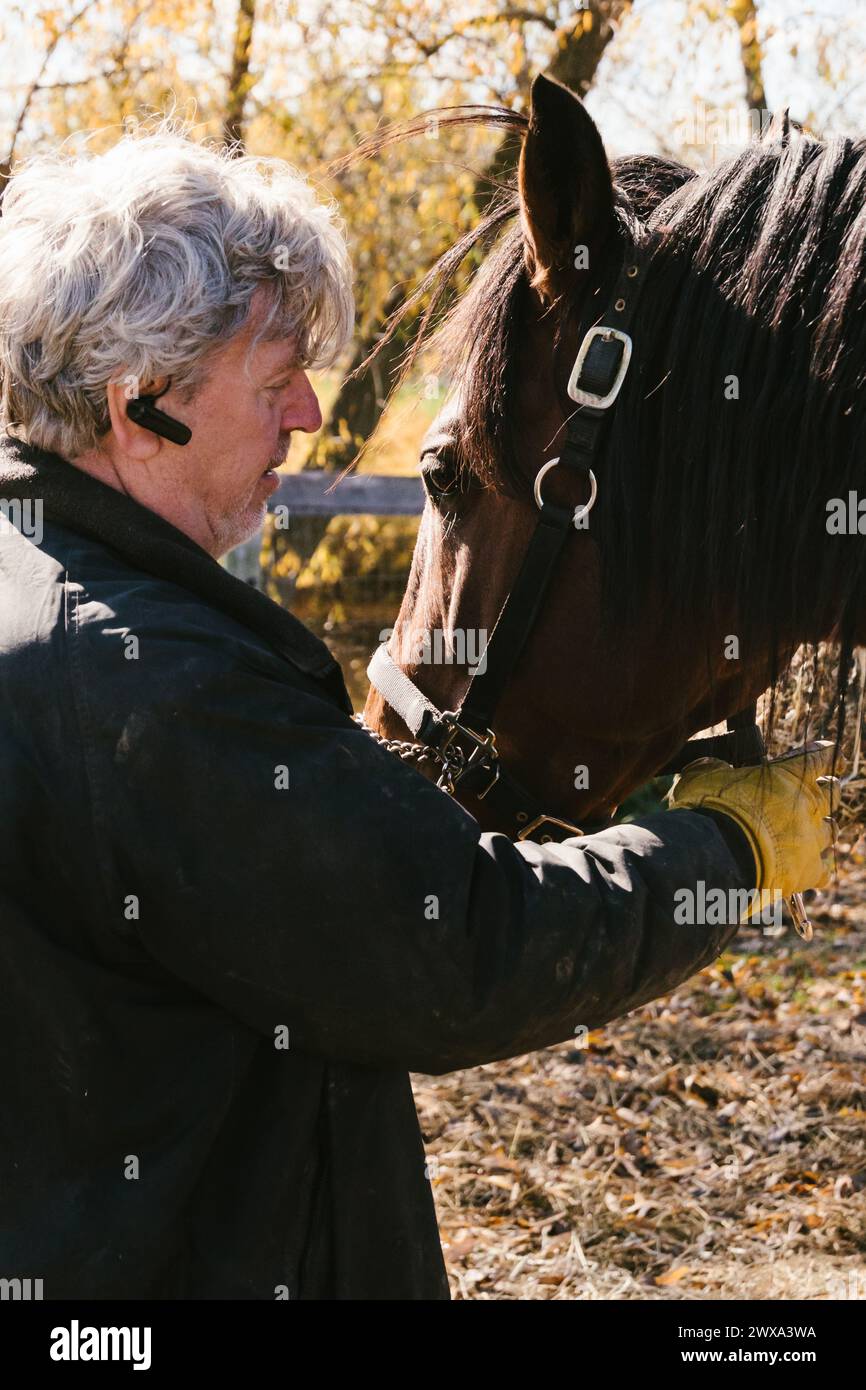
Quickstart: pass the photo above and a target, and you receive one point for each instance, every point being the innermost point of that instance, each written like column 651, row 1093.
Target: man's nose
column 305, row 414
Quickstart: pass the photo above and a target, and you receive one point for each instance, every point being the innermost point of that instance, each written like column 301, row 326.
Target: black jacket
column 232, row 924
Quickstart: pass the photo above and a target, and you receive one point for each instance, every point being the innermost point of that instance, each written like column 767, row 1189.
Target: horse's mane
column 745, row 396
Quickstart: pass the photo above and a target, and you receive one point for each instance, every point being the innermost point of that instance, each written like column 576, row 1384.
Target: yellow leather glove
column 784, row 808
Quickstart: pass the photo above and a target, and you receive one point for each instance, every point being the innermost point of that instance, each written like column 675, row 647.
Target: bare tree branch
column 35, row 85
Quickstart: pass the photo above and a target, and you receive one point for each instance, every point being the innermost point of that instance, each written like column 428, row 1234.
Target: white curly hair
column 141, row 261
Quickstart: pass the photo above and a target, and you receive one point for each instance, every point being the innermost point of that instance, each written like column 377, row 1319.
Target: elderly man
column 230, row 923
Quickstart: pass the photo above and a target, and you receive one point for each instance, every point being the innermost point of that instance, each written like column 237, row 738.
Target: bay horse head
column 727, row 528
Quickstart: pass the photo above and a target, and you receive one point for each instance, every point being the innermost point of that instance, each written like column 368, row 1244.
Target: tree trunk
column 245, row 561
column 240, row 81
column 353, row 417
column 745, row 13
column 360, row 401
column 581, row 50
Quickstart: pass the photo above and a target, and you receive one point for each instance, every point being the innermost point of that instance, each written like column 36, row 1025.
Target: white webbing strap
column 402, row 694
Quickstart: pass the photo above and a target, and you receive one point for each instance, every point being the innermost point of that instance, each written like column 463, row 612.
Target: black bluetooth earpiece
column 143, row 411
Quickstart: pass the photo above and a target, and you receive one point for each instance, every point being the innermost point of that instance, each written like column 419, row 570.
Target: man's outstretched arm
column 304, row 878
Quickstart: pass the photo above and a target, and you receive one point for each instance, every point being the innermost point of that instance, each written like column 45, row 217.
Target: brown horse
column 711, row 553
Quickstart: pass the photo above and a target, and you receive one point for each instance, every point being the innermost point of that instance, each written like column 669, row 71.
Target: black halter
column 462, row 741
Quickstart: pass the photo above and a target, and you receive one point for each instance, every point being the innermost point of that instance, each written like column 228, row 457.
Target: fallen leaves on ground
column 710, row 1145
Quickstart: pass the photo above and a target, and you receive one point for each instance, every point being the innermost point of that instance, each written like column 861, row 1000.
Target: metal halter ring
column 581, row 512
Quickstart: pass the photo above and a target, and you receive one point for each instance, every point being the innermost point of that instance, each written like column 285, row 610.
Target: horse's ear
column 779, row 129
column 566, row 190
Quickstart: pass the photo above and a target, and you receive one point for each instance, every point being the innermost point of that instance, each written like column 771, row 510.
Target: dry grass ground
column 709, row 1146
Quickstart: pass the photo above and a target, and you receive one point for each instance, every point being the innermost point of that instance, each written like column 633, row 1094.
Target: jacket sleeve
column 290, row 869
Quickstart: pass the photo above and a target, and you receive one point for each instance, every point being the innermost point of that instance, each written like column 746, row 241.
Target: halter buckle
column 606, row 335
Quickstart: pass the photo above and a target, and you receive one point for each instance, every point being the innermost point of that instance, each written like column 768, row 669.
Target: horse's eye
column 439, row 475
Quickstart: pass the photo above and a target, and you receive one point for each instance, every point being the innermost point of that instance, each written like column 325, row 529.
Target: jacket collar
column 74, row 499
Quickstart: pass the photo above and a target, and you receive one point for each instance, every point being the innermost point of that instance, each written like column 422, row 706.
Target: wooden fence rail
column 315, row 493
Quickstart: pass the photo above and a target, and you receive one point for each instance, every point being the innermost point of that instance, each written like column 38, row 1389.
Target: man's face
column 242, row 423
column 216, row 487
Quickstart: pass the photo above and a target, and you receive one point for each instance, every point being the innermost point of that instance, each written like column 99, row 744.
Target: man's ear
column 566, row 190
column 133, row 439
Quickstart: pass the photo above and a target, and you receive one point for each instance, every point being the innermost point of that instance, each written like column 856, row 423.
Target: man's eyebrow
column 287, row 363
column 277, row 373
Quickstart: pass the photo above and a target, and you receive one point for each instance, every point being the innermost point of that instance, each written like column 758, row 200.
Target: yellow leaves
column 764, row 1226
column 584, row 25
column 739, row 11
column 288, row 563
column 857, row 852
column 51, row 24
column 357, row 547
column 517, row 55
column 673, row 1276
